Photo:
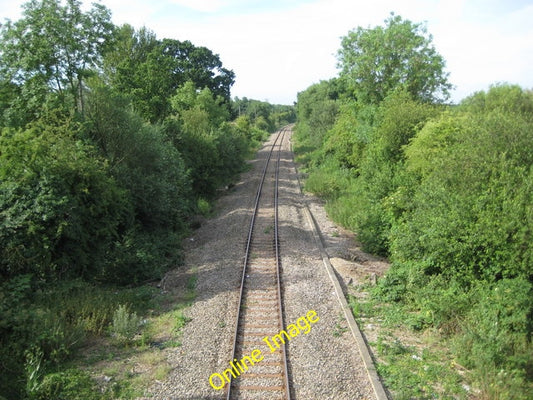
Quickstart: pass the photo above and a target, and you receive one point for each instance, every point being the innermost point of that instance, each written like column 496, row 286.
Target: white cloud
column 277, row 52
column 10, row 10
column 209, row 6
column 483, row 47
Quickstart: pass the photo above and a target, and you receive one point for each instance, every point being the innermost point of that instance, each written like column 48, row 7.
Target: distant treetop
column 375, row 61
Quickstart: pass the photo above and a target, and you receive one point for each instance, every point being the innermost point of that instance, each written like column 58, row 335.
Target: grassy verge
column 105, row 343
column 125, row 368
column 413, row 364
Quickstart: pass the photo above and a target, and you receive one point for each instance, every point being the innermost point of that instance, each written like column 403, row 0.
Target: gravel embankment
column 324, row 363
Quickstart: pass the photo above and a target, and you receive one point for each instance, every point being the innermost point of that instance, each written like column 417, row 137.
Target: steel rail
column 281, row 134
column 278, row 271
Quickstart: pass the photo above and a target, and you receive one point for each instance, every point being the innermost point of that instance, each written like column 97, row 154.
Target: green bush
column 72, row 384
column 203, row 206
column 231, row 150
column 142, row 160
column 61, row 208
column 16, row 332
column 125, row 324
column 43, row 325
column 92, row 194
column 370, row 141
column 326, row 183
column 495, row 340
column 317, row 109
column 213, row 149
column 346, row 141
column 472, row 170
column 448, row 195
column 463, row 226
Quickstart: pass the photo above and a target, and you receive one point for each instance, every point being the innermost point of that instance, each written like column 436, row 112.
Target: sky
column 278, row 48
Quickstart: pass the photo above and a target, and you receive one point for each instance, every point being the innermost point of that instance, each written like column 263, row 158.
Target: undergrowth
column 85, row 340
column 412, row 365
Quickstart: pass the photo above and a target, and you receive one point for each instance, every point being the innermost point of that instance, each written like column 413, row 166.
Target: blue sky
column 278, row 48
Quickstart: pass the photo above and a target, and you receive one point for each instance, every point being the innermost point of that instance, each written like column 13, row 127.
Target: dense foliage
column 376, row 61
column 446, row 192
column 151, row 70
column 111, row 140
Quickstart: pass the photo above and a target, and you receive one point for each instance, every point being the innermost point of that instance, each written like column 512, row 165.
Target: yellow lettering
column 303, row 324
column 256, row 354
column 293, row 330
column 227, row 376
column 272, row 349
column 243, row 361
column 239, row 365
column 307, row 326
column 310, row 318
column 217, row 375
column 280, row 337
column 234, row 367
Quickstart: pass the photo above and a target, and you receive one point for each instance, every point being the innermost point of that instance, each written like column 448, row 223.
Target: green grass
column 204, row 207
column 98, row 366
column 268, row 230
column 340, row 327
column 412, row 364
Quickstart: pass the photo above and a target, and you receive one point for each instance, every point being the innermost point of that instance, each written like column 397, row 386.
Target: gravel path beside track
column 324, row 363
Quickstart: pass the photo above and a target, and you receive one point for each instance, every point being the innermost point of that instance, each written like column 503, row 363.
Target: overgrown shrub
column 142, row 160
column 71, row 384
column 125, row 324
column 470, row 213
column 349, row 136
column 448, row 195
column 465, row 231
column 61, row 209
column 213, row 150
column 495, row 339
column 43, row 326
column 91, row 187
column 326, row 182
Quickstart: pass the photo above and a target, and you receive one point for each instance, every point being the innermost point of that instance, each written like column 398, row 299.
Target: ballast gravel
column 323, row 363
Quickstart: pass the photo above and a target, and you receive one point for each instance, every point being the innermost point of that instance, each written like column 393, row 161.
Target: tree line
column 444, row 191
column 111, row 141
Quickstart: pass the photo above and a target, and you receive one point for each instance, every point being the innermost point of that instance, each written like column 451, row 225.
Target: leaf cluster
column 150, row 71
column 377, row 61
column 444, row 192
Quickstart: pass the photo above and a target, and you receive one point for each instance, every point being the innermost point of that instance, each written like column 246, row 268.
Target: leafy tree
column 199, row 65
column 141, row 159
column 446, row 193
column 264, row 116
column 88, row 187
column 317, row 110
column 136, row 67
column 213, row 150
column 243, row 124
column 374, row 154
column 151, row 70
column 348, row 137
column 376, row 61
column 258, row 109
column 473, row 166
column 152, row 172
column 199, row 110
column 55, row 46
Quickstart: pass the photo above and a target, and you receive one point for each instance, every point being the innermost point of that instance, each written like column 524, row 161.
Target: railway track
column 260, row 304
